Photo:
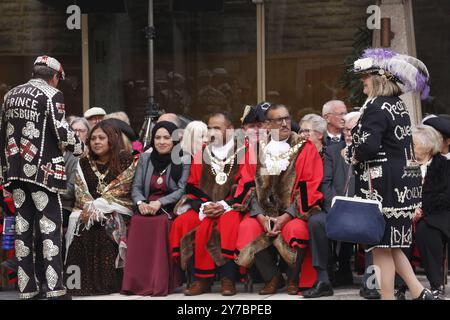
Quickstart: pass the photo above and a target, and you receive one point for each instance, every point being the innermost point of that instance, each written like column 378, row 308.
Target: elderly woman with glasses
column 81, row 127
column 432, row 219
column 314, row 128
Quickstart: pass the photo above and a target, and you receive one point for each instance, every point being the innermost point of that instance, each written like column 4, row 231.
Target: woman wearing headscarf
column 159, row 183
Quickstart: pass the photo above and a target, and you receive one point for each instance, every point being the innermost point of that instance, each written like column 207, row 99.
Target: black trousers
column 266, row 262
column 229, row 270
column 269, row 264
column 36, row 206
column 318, row 241
column 431, row 243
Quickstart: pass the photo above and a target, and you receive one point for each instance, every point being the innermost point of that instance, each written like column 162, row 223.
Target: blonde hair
column 428, row 137
column 192, row 135
column 127, row 143
column 120, row 115
column 383, row 87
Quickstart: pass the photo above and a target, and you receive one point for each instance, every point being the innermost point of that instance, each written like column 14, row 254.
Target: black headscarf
column 162, row 161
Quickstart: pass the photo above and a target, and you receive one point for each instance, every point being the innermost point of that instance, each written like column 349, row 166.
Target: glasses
column 279, row 121
column 79, row 130
column 305, row 131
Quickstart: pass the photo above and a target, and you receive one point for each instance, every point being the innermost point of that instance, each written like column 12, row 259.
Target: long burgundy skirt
column 149, row 268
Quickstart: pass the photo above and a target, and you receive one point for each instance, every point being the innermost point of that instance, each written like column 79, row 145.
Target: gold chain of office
column 221, row 176
column 285, row 155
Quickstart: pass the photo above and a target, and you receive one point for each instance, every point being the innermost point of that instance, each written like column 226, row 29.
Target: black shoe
column 370, row 294
column 426, row 295
column 11, row 264
column 438, row 293
column 320, row 289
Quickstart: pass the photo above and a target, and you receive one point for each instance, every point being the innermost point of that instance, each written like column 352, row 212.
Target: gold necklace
column 160, row 179
column 221, row 176
column 101, row 186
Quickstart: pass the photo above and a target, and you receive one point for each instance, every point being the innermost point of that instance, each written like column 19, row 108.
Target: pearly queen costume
column 33, row 126
column 218, row 174
column 382, row 149
column 288, row 176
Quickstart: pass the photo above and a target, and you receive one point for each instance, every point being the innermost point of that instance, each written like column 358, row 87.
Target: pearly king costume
column 288, row 177
column 226, row 175
column 382, row 146
column 33, row 127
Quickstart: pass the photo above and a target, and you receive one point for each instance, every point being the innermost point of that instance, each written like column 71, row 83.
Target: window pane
column 204, row 58
column 30, row 28
column 307, row 43
column 432, row 30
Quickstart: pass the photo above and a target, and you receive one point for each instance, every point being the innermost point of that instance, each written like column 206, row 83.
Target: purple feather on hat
column 422, row 85
column 409, row 70
column 378, row 53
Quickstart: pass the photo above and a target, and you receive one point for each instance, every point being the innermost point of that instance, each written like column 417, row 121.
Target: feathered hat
column 256, row 113
column 410, row 73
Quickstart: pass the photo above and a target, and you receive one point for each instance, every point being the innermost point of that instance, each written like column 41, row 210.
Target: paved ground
column 345, row 293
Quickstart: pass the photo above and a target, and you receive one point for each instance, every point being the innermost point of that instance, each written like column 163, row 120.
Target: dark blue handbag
column 355, row 220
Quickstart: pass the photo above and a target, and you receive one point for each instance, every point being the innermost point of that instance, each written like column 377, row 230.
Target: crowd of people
column 215, row 202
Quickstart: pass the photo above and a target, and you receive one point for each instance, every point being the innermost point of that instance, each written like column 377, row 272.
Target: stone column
column 402, row 25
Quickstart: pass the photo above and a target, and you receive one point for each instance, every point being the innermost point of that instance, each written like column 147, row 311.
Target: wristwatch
column 139, row 202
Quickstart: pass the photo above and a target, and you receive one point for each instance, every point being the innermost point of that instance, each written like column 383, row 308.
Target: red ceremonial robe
column 215, row 239
column 300, row 183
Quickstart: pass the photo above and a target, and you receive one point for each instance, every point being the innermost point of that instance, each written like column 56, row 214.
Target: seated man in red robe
column 218, row 190
column 288, row 175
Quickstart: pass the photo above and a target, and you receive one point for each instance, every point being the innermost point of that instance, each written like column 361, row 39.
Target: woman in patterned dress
column 96, row 236
column 382, row 153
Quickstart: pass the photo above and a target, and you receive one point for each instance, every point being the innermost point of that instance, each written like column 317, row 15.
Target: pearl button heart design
column 40, row 199
column 29, row 170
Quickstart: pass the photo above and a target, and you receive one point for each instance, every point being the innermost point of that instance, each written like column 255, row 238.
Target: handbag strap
column 370, row 181
column 347, row 182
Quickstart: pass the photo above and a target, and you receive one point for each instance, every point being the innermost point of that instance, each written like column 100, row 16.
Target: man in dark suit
column 334, row 184
column 333, row 112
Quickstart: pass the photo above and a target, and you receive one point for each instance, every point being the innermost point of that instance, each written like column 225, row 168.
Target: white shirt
column 447, row 156
column 338, row 137
column 424, row 168
column 221, row 153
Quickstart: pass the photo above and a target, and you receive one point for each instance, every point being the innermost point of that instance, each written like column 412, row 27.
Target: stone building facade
column 198, row 53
